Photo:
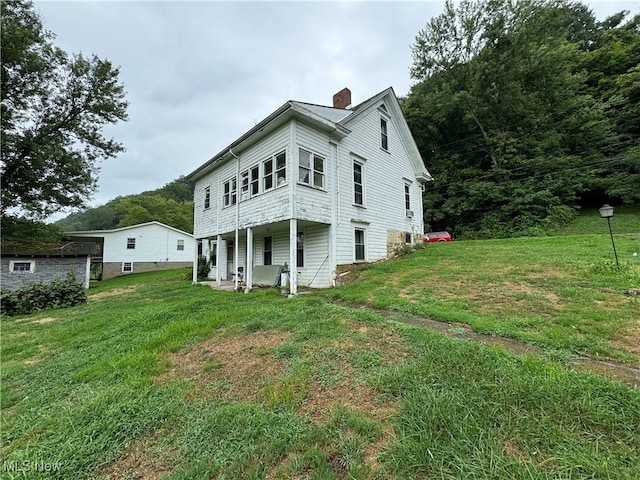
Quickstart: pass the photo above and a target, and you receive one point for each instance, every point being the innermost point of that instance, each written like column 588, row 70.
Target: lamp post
column 606, row 211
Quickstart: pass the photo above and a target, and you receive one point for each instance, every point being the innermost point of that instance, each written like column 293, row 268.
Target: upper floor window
column 207, row 197
column 131, row 243
column 384, row 137
column 180, row 245
column 255, row 180
column 311, row 170
column 244, row 185
column 267, row 181
column 230, row 192
column 407, row 196
column 358, row 191
column 275, row 171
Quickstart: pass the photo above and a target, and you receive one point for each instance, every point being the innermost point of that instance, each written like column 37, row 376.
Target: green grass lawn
column 557, row 292
column 157, row 378
column 626, row 219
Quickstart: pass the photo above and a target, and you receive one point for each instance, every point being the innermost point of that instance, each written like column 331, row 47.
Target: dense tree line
column 525, row 111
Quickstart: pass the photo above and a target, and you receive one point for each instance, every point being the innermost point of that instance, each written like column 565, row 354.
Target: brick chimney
column 342, row 99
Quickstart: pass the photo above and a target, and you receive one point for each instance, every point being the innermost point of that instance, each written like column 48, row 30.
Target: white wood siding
column 154, row 243
column 384, row 179
column 266, row 207
column 311, row 203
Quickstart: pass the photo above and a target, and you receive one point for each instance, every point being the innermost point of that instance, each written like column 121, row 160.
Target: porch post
column 248, row 274
column 293, row 256
column 194, row 276
column 219, row 259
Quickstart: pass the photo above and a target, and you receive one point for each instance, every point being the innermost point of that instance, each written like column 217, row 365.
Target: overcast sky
column 200, row 74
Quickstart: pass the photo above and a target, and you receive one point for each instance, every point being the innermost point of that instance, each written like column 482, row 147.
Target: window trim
column 407, row 197
column 124, row 265
column 269, row 251
column 131, row 243
column 356, row 245
column 300, row 251
column 384, row 133
column 230, row 192
column 311, row 169
column 361, row 184
column 12, row 263
column 277, row 176
column 207, row 198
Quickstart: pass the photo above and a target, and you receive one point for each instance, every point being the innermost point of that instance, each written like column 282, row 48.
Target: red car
column 437, row 237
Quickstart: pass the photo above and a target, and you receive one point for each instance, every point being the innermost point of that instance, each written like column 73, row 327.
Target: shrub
column 61, row 293
column 203, row 267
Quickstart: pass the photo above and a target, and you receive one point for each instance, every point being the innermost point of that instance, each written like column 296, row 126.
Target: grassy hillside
column 558, row 292
column 157, row 378
column 626, row 219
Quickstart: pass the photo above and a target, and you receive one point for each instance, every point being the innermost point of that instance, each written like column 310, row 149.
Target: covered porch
column 301, row 249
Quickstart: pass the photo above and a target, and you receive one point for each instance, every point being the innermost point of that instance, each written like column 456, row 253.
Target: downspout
column 236, row 244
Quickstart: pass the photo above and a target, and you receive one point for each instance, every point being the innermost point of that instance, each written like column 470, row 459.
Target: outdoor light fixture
column 606, row 211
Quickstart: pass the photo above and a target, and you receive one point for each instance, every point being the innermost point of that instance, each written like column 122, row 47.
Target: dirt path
column 622, row 373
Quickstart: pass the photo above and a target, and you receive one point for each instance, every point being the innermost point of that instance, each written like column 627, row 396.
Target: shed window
column 131, row 243
column 22, row 266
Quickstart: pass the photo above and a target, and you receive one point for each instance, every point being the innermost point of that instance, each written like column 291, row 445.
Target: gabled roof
column 98, row 233
column 334, row 121
column 43, row 249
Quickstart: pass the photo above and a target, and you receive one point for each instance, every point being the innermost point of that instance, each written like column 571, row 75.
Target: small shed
column 24, row 263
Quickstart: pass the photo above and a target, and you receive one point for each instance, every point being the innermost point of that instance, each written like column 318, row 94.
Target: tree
column 54, row 108
column 505, row 117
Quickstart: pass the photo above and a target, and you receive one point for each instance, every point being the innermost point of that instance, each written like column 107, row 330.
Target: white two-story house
column 313, row 187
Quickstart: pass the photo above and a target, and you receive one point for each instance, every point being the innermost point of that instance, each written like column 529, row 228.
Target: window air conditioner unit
column 409, row 213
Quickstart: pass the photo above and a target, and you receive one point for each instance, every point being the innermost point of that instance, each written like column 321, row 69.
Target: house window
column 230, row 192
column 358, row 198
column 300, row 249
column 407, row 197
column 384, row 138
column 22, row 266
column 275, row 171
column 281, row 169
column 207, row 197
column 244, row 185
column 127, row 266
column 131, row 243
column 267, row 181
column 255, row 180
column 181, row 245
column 359, row 244
column 311, row 170
column 267, row 253
column 408, row 238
